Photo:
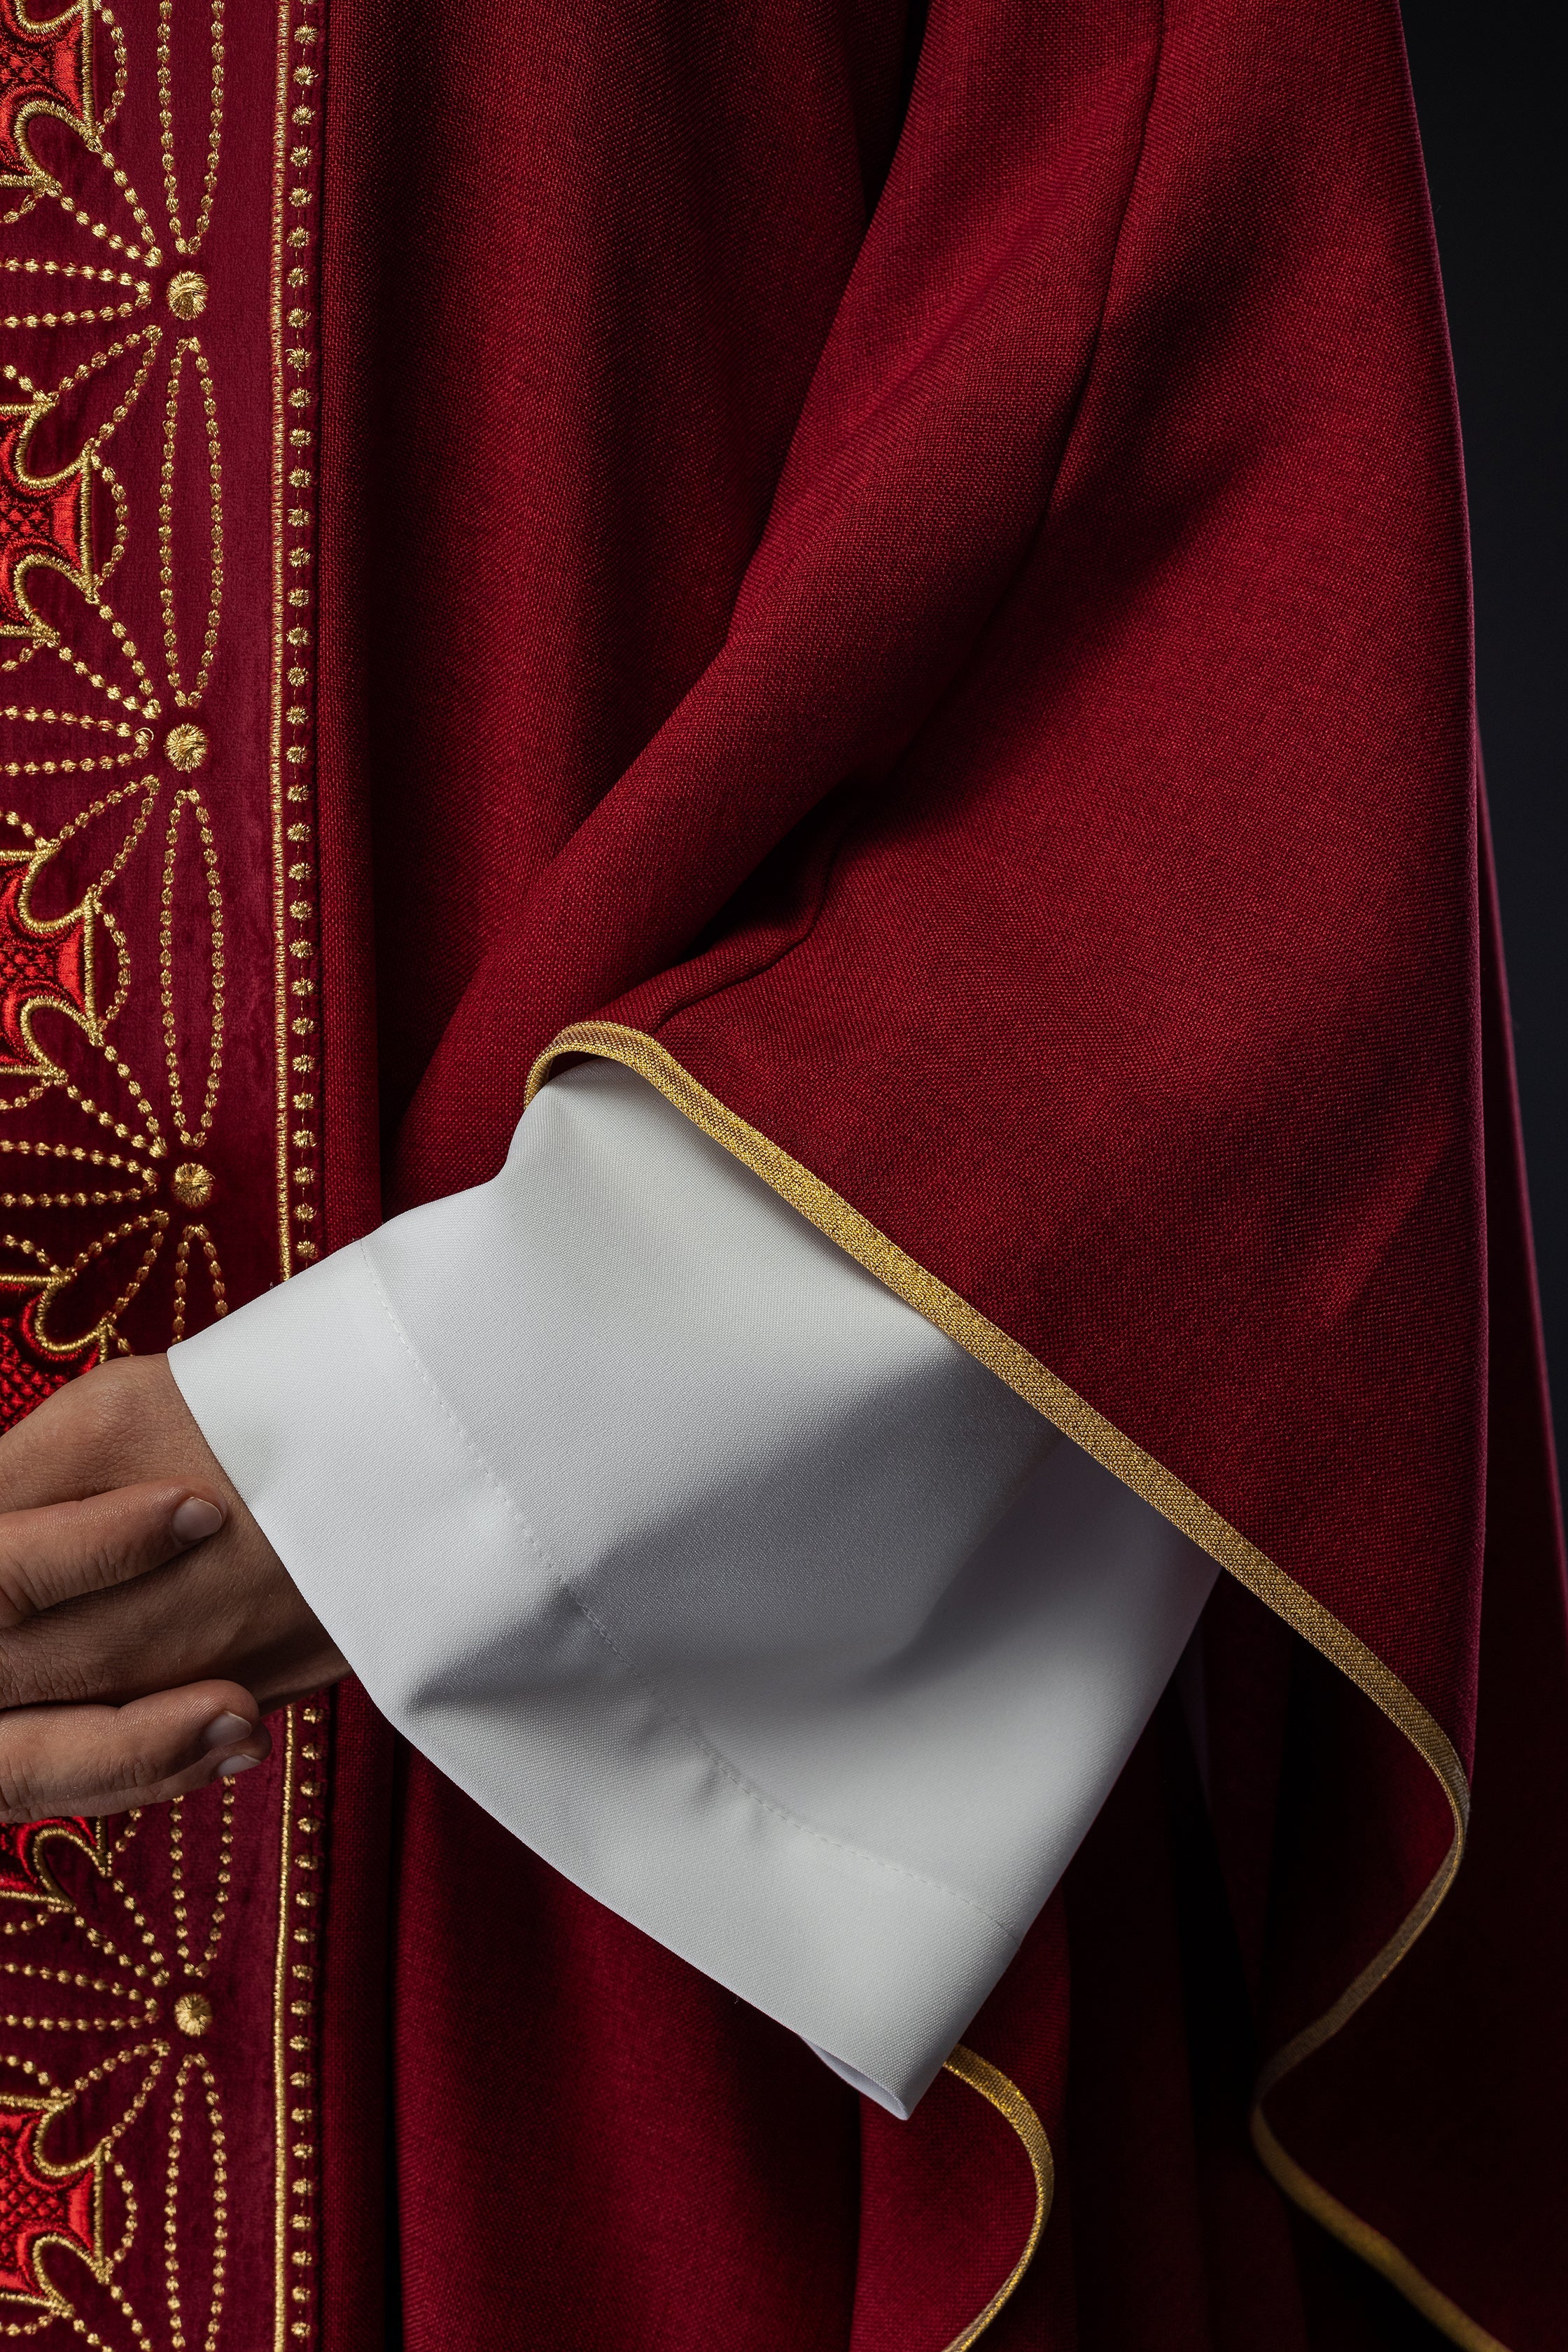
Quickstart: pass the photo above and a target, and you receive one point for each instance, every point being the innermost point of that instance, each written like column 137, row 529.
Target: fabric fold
column 713, row 1571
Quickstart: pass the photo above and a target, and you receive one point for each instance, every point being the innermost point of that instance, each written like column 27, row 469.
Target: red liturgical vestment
column 908, row 583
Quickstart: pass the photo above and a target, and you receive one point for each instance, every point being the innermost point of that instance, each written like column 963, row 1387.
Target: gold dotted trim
column 294, row 2018
column 294, row 263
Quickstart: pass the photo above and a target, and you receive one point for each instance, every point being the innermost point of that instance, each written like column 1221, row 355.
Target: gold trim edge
column 1010, row 2104
column 1176, row 1501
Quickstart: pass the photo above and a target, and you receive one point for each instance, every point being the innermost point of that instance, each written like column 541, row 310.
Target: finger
column 65, row 1549
column 104, row 1759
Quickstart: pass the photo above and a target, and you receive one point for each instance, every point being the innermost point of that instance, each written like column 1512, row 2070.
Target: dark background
column 1492, row 97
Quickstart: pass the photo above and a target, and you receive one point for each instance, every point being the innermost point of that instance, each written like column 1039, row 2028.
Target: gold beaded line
column 179, row 1893
column 295, row 408
column 194, row 2067
column 198, row 1234
column 189, row 347
column 144, row 1181
column 192, row 1137
column 183, row 244
column 294, row 2018
column 139, row 740
column 141, row 289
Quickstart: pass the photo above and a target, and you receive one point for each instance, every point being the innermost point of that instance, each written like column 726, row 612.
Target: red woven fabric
column 990, row 691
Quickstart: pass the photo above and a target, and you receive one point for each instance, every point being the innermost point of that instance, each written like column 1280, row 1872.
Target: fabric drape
column 978, row 706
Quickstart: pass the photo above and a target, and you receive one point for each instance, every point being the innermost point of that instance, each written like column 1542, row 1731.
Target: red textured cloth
column 989, row 691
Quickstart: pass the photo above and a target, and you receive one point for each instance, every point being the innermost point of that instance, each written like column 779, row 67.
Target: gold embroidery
column 293, row 2001
column 182, row 293
column 1169, row 1496
column 185, row 748
column 140, row 287
column 145, row 1179
column 182, row 1273
column 1008, row 2101
column 193, row 1136
column 47, row 1289
column 196, row 2068
column 222, row 1880
column 296, row 171
column 181, row 244
column 44, row 1903
column 170, row 1968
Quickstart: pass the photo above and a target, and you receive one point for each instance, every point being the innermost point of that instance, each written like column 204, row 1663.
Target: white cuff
column 726, row 1582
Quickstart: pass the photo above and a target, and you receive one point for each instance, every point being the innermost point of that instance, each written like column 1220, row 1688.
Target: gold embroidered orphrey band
column 160, row 192
column 1078, row 1420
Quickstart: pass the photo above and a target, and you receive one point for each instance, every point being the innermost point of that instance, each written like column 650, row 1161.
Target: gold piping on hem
column 1160, row 1487
column 1009, row 2102
column 1369, row 2244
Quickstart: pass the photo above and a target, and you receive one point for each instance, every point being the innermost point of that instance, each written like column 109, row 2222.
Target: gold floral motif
column 158, row 1945
column 133, row 1971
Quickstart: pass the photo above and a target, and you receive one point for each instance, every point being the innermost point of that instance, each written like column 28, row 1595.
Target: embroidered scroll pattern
column 158, row 189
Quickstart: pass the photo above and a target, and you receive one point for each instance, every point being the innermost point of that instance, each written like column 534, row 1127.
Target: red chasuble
column 938, row 635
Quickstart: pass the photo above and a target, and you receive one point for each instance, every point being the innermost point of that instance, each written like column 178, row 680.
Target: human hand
column 145, row 1621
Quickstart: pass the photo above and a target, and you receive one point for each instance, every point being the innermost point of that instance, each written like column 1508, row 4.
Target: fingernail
column 233, row 1764
column 196, row 1519
column 224, row 1729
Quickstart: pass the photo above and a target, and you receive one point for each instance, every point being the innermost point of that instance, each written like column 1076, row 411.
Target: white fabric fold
column 721, row 1578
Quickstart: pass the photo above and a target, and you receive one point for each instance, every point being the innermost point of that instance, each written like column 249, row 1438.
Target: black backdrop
column 1491, row 96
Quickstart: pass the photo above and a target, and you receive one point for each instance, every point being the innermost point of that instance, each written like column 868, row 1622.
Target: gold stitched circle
column 193, row 2013
column 187, row 747
column 192, row 1184
column 188, row 294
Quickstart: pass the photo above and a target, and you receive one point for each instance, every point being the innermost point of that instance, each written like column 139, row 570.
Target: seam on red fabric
column 671, row 1714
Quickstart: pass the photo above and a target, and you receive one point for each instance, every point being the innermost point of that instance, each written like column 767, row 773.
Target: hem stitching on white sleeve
column 671, row 1714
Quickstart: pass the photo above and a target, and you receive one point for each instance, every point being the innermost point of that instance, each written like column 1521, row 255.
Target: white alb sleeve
column 719, row 1576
